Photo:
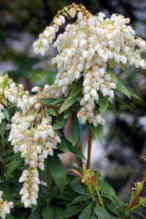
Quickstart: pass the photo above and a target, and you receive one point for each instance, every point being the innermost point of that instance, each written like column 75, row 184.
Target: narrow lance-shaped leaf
column 71, row 99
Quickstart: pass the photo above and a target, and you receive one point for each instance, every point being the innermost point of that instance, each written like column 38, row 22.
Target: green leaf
column 52, row 112
column 59, row 213
column 12, row 166
column 10, row 217
column 107, row 190
column 59, row 123
column 73, row 132
column 48, row 213
column 103, row 105
column 40, row 78
column 35, row 214
column 67, row 104
column 67, row 114
column 121, row 88
column 97, row 131
column 66, row 146
column 94, row 217
column 71, row 211
column 71, row 99
column 78, row 188
column 53, row 101
column 86, row 212
column 102, row 213
column 115, row 207
column 6, row 113
column 80, row 199
column 57, row 171
column 142, row 201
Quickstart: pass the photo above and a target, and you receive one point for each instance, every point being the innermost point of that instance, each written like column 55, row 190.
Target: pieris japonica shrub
column 36, row 127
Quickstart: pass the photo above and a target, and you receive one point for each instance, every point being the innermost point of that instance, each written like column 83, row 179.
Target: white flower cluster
column 5, row 207
column 34, row 137
column 31, row 134
column 85, row 50
column 48, row 36
column 30, row 189
column 15, row 94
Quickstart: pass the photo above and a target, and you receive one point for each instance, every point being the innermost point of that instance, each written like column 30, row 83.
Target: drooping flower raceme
column 5, row 207
column 31, row 134
column 29, row 191
column 33, row 137
column 85, row 49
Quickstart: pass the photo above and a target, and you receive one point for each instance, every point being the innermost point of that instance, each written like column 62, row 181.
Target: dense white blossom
column 5, row 207
column 34, row 137
column 30, row 189
column 85, row 50
column 15, row 94
column 31, row 133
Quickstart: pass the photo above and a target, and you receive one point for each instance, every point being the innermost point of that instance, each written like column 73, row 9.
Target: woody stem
column 89, row 149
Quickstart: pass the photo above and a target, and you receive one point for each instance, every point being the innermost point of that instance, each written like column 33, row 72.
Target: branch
column 89, row 149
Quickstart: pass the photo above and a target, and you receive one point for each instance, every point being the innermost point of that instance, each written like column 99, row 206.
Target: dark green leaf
column 73, row 132
column 12, row 166
column 78, row 188
column 48, row 213
column 35, row 214
column 102, row 213
column 80, row 199
column 114, row 207
column 10, row 217
column 94, row 217
column 71, row 211
column 52, row 112
column 57, row 171
column 86, row 212
column 67, row 146
column 59, row 214
column 107, row 190
column 53, row 101
column 59, row 123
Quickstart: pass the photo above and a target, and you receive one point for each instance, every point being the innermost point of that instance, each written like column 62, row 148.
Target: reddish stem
column 89, row 149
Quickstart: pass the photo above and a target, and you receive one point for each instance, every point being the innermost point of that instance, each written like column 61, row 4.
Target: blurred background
column 118, row 154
